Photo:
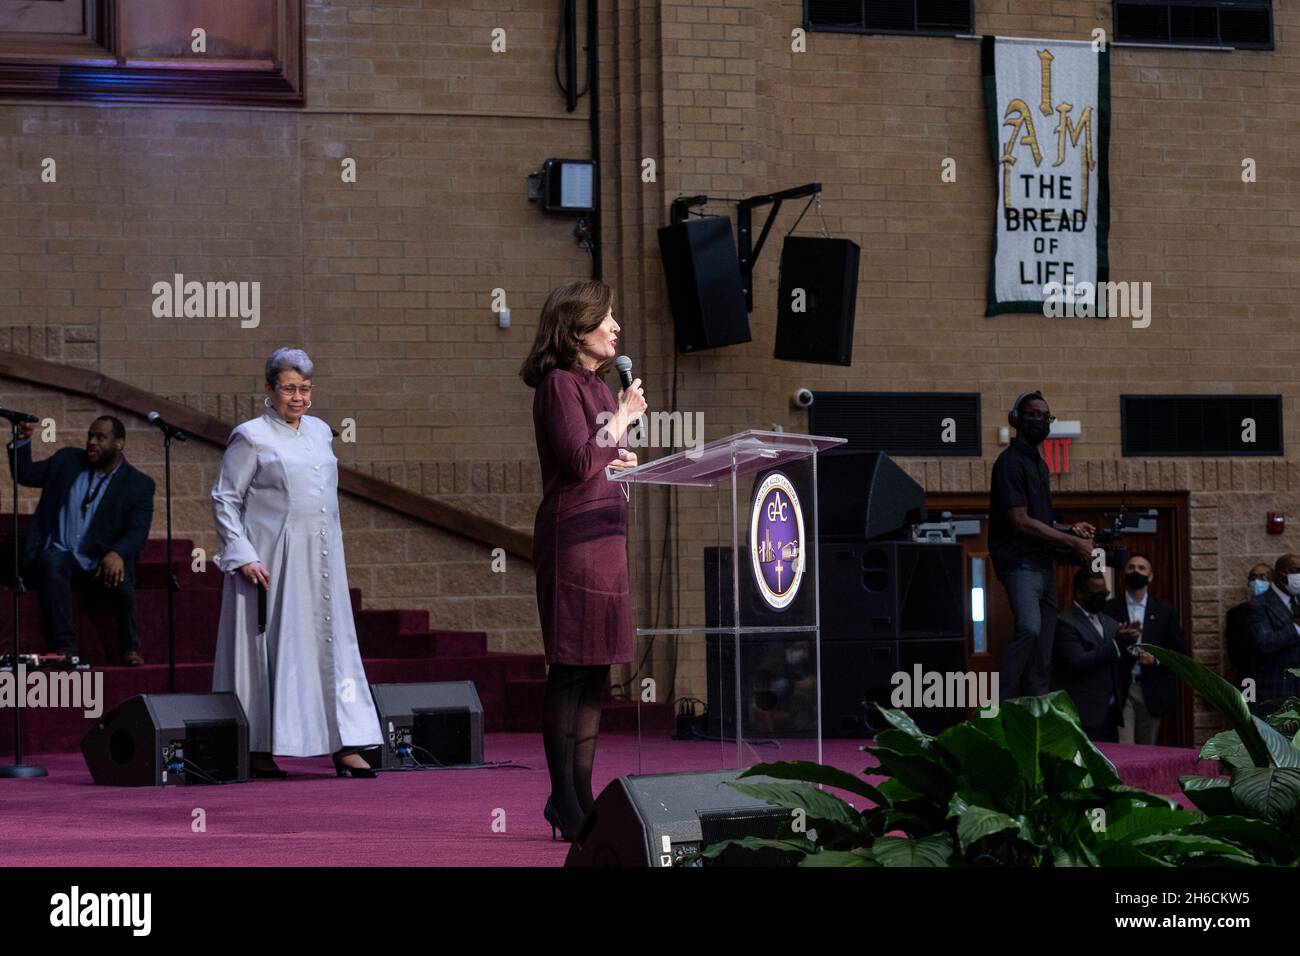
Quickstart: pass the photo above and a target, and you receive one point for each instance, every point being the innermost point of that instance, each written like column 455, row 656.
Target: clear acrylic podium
column 738, row 628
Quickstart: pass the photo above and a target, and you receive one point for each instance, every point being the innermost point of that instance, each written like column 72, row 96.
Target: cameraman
column 1022, row 537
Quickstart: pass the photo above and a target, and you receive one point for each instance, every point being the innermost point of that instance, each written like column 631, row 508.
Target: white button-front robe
column 301, row 683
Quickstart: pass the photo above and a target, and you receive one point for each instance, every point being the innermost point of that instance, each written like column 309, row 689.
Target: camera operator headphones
column 1013, row 416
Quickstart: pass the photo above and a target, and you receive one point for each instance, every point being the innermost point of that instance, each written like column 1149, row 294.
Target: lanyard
column 93, row 493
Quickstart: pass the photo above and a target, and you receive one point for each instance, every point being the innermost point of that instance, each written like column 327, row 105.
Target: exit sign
column 1056, row 452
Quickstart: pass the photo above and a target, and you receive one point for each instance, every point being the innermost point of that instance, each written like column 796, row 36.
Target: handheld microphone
column 624, row 366
column 169, row 430
column 17, row 417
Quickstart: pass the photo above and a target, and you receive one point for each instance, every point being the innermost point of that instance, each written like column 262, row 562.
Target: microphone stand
column 173, row 585
column 18, row 768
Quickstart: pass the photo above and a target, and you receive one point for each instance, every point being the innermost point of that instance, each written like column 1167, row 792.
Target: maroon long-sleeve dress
column 580, row 536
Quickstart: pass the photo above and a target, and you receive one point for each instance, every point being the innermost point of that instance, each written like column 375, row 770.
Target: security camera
column 803, row 397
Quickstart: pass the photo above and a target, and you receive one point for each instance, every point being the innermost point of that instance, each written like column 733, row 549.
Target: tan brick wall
column 387, row 281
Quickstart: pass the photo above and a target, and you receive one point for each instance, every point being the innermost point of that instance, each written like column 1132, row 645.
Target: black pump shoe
column 553, row 818
column 341, row 769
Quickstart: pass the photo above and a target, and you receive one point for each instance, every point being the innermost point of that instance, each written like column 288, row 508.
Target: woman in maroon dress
column 580, row 537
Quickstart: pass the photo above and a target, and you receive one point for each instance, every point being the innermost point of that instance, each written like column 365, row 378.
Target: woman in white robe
column 275, row 502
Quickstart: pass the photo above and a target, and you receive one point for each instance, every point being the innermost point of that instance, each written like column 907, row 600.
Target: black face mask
column 1093, row 603
column 1035, row 430
column 1136, row 580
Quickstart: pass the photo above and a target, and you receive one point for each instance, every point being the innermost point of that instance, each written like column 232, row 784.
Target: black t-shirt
column 1020, row 480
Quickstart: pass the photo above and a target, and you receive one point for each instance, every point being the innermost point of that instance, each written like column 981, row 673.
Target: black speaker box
column 437, row 724
column 778, row 686
column 856, row 674
column 823, row 275
column 864, row 494
column 704, row 288
column 155, row 740
column 656, row 819
column 891, row 590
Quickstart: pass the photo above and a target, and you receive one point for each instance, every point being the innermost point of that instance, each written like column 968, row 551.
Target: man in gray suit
column 1090, row 659
column 1272, row 628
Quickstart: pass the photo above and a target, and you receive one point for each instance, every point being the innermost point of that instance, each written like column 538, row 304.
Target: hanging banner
column 1048, row 105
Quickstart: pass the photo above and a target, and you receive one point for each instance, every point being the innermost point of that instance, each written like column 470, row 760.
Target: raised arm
column 30, row 474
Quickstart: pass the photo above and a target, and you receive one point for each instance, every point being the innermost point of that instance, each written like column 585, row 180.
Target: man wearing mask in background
column 1236, row 635
column 1022, row 536
column 1153, row 690
column 1273, row 636
column 1091, row 656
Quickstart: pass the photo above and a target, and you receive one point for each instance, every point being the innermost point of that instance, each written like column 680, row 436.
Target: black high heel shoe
column 553, row 818
column 341, row 769
column 264, row 769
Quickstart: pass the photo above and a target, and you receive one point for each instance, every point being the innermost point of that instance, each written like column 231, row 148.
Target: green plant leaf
column 917, row 770
column 933, row 850
column 1270, row 793
column 976, row 823
column 1049, row 724
column 1212, row 795
column 1253, row 834
column 1227, row 748
column 809, row 772
column 1282, row 751
column 1216, row 692
column 817, row 804
column 1126, row 854
column 1142, row 822
column 900, row 720
column 986, row 763
column 1183, row 846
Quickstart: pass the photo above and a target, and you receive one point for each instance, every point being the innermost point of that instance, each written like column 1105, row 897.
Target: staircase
column 397, row 646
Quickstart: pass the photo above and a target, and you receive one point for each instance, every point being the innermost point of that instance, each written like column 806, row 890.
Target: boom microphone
column 169, row 430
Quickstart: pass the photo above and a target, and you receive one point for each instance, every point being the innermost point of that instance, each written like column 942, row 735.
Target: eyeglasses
column 288, row 391
column 1034, row 416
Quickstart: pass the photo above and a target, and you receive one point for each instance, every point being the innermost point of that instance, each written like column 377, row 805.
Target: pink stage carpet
column 421, row 818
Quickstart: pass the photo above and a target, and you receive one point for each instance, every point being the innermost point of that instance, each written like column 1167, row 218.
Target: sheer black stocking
column 570, row 725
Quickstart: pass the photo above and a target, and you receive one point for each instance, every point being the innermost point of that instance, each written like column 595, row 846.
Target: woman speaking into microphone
column 580, row 536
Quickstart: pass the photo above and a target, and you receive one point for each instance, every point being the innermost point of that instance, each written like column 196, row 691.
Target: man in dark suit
column 91, row 522
column 1236, row 631
column 1153, row 690
column 1273, row 636
column 1090, row 661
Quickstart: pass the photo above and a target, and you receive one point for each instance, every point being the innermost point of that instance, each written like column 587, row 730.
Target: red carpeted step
column 390, row 623
column 151, row 567
column 523, row 666
column 423, row 644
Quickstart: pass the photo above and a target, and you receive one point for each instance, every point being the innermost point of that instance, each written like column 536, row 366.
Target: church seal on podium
column 776, row 536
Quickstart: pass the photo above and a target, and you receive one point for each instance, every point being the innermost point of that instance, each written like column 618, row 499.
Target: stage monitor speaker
column 817, row 299
column 428, row 725
column 891, row 590
column 657, row 819
column 704, row 288
column 859, row 674
column 864, row 494
column 156, row 740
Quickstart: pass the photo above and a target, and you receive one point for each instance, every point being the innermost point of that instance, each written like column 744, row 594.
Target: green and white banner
column 1048, row 107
